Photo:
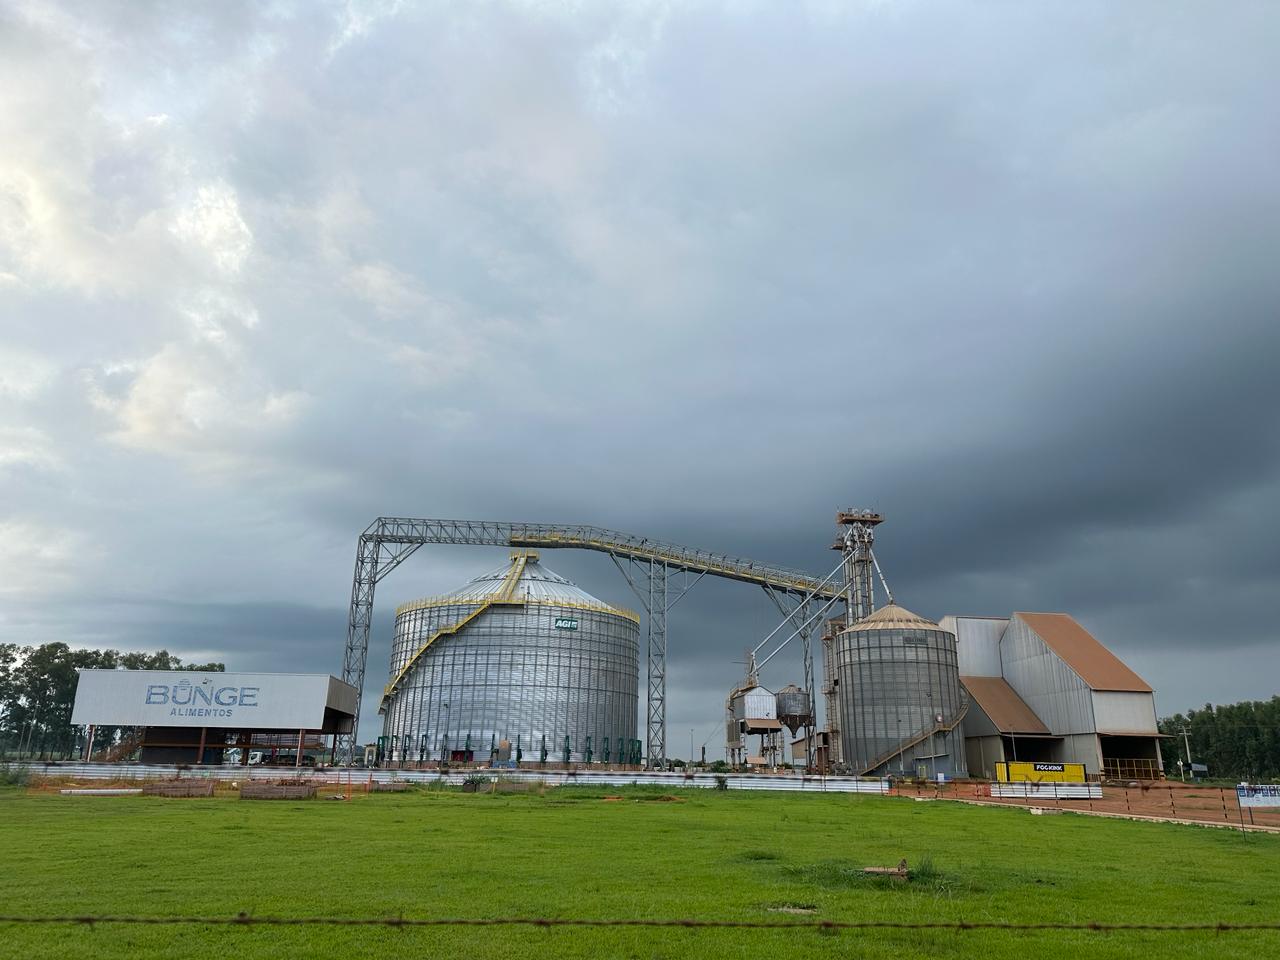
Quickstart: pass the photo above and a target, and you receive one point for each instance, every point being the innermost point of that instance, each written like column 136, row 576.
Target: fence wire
column 245, row 919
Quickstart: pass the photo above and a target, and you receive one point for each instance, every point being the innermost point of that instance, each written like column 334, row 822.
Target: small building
column 186, row 716
column 752, row 711
column 821, row 747
column 1042, row 688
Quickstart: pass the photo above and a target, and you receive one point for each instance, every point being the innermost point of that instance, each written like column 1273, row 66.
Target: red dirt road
column 1165, row 800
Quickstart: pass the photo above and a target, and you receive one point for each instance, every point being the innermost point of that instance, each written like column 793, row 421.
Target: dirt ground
column 1173, row 800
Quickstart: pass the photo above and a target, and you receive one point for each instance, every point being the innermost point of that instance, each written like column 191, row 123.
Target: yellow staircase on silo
column 504, row 595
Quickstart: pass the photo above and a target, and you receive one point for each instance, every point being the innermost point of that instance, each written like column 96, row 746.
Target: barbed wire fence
column 245, row 919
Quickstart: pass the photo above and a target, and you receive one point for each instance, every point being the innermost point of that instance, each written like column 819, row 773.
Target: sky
column 698, row 271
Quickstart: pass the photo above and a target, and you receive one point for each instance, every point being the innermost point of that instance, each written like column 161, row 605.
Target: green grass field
column 572, row 854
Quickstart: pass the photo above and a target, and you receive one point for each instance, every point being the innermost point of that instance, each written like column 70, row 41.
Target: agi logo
column 566, row 623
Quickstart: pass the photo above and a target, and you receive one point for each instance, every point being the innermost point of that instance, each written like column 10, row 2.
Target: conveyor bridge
column 651, row 567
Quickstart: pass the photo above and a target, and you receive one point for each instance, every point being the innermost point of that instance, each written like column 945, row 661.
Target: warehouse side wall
column 1054, row 692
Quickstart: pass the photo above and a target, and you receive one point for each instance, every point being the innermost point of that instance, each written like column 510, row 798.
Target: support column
column 656, row 731
column 802, row 614
column 798, row 611
column 657, row 597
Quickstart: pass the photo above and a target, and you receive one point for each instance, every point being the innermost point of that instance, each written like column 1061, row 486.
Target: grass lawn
column 570, row 853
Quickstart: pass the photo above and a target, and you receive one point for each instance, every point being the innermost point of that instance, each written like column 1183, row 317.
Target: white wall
column 977, row 643
column 1082, row 748
column 976, row 723
column 182, row 698
column 982, row 754
column 1123, row 712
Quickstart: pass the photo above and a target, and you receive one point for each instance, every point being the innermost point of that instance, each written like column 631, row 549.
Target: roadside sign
column 1258, row 794
column 1025, row 771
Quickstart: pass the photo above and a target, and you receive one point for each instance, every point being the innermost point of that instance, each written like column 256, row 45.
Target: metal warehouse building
column 187, row 716
column 1043, row 688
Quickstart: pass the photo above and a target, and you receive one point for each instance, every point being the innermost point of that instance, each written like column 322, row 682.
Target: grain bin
column 900, row 696
column 519, row 654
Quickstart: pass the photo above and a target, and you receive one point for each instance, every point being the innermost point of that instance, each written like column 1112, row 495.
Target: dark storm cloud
column 702, row 272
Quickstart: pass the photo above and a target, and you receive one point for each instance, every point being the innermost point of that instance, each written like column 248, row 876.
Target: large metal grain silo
column 901, row 702
column 520, row 654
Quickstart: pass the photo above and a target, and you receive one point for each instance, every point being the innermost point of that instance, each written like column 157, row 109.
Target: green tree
column 37, row 693
column 1240, row 741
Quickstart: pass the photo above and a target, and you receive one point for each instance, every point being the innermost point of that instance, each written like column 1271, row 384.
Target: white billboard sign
column 180, row 698
column 1258, row 794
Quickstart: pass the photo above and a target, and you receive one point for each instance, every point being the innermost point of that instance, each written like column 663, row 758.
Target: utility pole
column 1186, row 740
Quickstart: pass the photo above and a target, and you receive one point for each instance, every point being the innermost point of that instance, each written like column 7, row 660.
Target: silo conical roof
column 536, row 584
column 893, row 617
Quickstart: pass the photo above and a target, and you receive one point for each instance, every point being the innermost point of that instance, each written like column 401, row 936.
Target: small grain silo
column 900, row 699
column 752, row 711
column 519, row 654
column 794, row 707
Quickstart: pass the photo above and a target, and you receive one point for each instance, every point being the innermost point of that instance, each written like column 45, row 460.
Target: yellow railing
column 519, row 560
column 390, row 688
column 427, row 603
column 708, row 564
column 1136, row 769
column 506, row 594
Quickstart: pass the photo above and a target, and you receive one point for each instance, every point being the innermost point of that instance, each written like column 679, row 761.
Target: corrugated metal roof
column 536, row 584
column 1001, row 703
column 893, row 617
column 1096, row 665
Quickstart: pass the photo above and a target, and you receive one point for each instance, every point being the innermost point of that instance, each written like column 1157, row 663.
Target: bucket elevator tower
column 854, row 541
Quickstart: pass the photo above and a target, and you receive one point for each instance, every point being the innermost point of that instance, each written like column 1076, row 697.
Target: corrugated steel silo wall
column 511, row 674
column 892, row 684
column 793, row 703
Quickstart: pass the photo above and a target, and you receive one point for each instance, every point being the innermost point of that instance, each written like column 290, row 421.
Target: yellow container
column 1027, row 771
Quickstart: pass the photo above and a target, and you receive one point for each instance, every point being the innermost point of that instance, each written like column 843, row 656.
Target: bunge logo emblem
column 566, row 623
column 187, row 699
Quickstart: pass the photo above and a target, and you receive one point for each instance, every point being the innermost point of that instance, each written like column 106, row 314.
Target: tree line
column 1239, row 741
column 38, row 690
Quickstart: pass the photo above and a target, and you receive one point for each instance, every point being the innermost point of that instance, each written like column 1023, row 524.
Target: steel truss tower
column 854, row 542
column 660, row 574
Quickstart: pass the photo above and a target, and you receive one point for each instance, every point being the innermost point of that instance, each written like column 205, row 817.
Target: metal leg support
column 657, row 651
column 375, row 558
column 657, row 596
column 797, row 612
